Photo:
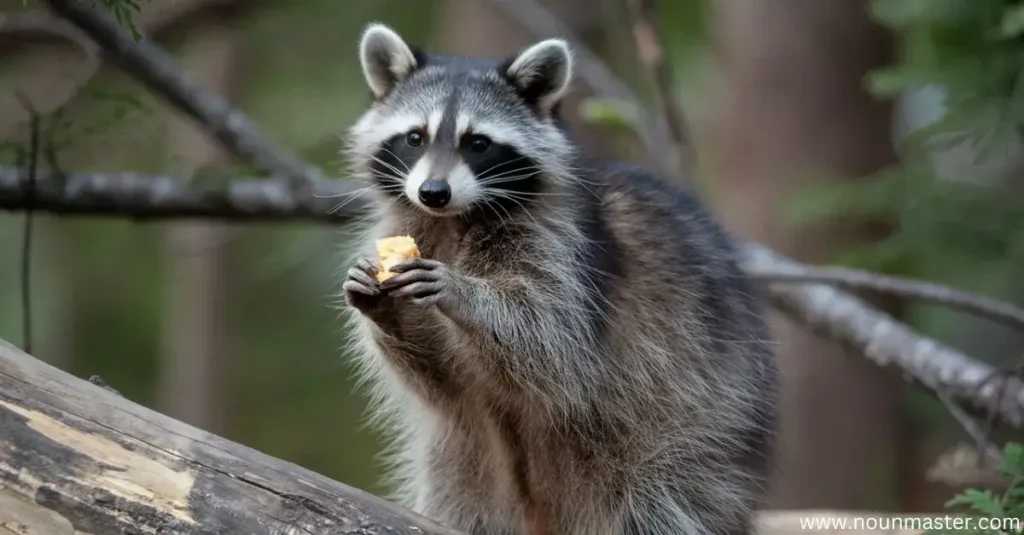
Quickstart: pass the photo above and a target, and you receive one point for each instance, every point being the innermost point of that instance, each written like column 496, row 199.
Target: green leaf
column 122, row 12
column 981, row 501
column 1012, row 24
column 609, row 112
column 1013, row 461
column 890, row 82
column 899, row 13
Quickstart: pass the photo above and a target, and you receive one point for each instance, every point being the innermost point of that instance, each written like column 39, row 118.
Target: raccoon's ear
column 385, row 57
column 542, row 72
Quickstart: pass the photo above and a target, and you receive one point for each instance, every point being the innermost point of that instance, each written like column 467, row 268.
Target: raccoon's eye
column 414, row 138
column 479, row 143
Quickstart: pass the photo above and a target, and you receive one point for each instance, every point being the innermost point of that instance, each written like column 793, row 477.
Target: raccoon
column 576, row 351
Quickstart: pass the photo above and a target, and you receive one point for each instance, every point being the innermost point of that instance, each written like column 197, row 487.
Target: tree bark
column 75, row 457
column 794, row 110
column 78, row 458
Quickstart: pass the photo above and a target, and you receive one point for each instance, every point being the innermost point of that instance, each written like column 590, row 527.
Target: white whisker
column 392, row 178
column 355, row 192
column 508, row 216
column 501, row 195
column 521, row 170
column 397, row 158
column 342, row 204
column 389, row 166
column 536, row 194
column 505, row 180
column 483, row 174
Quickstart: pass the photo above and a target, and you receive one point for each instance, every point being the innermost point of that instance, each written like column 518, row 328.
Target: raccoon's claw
column 364, row 275
column 352, row 286
column 420, row 292
column 362, row 291
column 366, row 265
column 416, row 263
column 424, row 281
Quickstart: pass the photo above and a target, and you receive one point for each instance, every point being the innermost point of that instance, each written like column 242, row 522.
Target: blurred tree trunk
column 794, row 111
column 197, row 261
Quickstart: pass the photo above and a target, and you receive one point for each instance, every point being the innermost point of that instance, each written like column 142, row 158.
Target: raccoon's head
column 449, row 135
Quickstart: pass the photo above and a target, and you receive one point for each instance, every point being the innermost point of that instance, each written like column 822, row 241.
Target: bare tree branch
column 888, row 342
column 651, row 51
column 147, row 197
column 987, row 451
column 167, row 197
column 534, row 17
column 852, row 279
column 829, row 311
column 149, row 64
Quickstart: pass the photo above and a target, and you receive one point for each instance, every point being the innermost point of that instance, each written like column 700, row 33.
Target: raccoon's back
column 675, row 256
column 686, row 317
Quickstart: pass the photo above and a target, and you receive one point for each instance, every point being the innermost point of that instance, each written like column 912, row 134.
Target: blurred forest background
column 804, row 114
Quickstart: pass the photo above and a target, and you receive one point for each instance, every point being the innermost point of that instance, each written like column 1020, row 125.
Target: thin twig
column 535, row 18
column 149, row 64
column 668, row 113
column 987, row 451
column 886, row 341
column 852, row 279
column 26, row 244
column 963, row 465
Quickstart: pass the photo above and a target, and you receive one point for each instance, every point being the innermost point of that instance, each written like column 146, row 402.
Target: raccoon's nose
column 435, row 193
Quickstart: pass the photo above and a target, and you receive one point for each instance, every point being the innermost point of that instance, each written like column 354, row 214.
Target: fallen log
column 76, row 457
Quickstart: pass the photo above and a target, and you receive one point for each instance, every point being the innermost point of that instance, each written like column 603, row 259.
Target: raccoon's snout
column 435, row 193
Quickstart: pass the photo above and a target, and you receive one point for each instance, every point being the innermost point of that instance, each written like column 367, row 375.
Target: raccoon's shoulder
column 644, row 203
column 630, row 184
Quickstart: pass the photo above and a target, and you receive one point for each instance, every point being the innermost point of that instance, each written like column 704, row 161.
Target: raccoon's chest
column 441, row 245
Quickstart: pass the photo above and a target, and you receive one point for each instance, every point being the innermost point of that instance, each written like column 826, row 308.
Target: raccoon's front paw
column 424, row 282
column 362, row 291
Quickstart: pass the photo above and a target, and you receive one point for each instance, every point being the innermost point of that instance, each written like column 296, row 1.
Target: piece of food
column 391, row 251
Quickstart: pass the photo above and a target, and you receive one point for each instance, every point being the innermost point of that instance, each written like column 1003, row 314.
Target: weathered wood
column 75, row 457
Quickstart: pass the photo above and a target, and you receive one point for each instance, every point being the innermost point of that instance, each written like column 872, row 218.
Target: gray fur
column 587, row 360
